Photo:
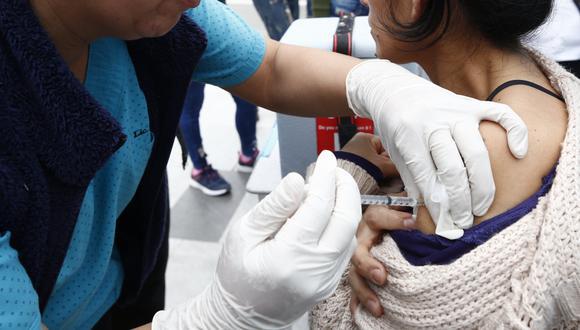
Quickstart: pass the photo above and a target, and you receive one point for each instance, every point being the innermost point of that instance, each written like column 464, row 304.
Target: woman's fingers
column 368, row 267
column 377, row 144
column 353, row 304
column 364, row 294
column 379, row 217
column 376, row 219
column 362, row 260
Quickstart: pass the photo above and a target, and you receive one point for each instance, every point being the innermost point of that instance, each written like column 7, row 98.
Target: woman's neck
column 59, row 22
column 474, row 68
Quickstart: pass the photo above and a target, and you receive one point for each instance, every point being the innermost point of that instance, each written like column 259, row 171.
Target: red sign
column 327, row 131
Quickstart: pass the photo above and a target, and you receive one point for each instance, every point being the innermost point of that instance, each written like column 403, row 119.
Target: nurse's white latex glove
column 432, row 136
column 280, row 259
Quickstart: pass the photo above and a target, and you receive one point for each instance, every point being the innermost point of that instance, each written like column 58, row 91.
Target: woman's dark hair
column 503, row 22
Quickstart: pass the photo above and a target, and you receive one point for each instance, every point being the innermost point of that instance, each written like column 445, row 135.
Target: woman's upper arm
column 18, row 299
column 517, row 179
column 234, row 49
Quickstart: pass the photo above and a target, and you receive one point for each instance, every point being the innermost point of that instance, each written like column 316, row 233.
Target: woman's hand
column 375, row 221
column 369, row 147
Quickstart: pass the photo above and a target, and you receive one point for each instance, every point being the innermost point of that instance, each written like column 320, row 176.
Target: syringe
column 390, row 200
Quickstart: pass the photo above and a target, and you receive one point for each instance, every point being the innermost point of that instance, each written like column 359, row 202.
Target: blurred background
column 199, row 221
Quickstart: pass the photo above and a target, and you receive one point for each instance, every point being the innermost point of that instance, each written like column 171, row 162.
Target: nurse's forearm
column 299, row 81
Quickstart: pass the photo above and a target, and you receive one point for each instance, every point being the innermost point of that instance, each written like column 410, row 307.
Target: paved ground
column 198, row 221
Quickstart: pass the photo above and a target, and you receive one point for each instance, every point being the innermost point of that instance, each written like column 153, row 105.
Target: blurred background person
column 277, row 15
column 203, row 176
column 341, row 7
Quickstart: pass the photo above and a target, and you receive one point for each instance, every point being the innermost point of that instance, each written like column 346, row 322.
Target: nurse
column 90, row 96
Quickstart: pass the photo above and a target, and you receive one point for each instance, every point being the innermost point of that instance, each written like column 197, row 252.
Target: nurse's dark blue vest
column 54, row 137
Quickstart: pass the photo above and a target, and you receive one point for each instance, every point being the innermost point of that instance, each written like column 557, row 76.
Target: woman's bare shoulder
column 517, row 179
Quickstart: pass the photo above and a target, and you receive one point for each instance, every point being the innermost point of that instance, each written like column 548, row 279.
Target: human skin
column 466, row 63
column 315, row 87
column 474, row 67
column 73, row 25
column 319, row 80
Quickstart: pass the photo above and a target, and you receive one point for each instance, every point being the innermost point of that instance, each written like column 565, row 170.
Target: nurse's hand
column 280, row 259
column 432, row 136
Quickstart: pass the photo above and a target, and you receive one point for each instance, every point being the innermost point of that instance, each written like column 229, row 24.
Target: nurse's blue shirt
column 91, row 276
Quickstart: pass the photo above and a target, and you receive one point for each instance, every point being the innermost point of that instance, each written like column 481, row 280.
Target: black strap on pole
column 343, row 45
column 343, row 35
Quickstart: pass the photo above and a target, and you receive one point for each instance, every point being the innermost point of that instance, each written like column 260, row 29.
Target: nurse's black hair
column 503, row 22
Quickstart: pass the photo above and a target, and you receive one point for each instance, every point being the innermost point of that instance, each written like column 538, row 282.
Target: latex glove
column 432, row 136
column 280, row 259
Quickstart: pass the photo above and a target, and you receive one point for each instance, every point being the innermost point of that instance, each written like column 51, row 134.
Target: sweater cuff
column 365, row 182
column 369, row 167
column 367, row 185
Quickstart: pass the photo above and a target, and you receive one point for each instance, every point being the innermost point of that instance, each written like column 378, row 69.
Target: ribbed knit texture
column 366, row 183
column 526, row 276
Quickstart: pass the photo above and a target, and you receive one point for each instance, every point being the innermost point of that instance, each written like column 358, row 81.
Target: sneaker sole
column 209, row 192
column 245, row 169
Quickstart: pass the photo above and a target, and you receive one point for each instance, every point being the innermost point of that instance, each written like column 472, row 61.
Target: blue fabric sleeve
column 19, row 307
column 234, row 50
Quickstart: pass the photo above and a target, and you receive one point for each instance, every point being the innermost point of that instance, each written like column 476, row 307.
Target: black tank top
column 522, row 82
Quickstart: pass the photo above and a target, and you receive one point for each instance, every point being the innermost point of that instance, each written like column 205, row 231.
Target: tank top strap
column 522, row 82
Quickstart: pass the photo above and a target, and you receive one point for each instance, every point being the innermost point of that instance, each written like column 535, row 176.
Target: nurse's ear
column 417, row 8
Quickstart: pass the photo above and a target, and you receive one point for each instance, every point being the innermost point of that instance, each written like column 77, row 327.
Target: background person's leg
column 309, row 9
column 294, row 8
column 189, row 124
column 246, row 114
column 348, row 6
column 276, row 16
column 203, row 176
column 246, row 125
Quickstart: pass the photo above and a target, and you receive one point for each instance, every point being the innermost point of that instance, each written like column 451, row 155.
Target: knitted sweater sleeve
column 334, row 312
column 337, row 305
column 525, row 277
column 365, row 182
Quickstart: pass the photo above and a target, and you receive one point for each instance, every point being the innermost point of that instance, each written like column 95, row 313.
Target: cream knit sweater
column 526, row 276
